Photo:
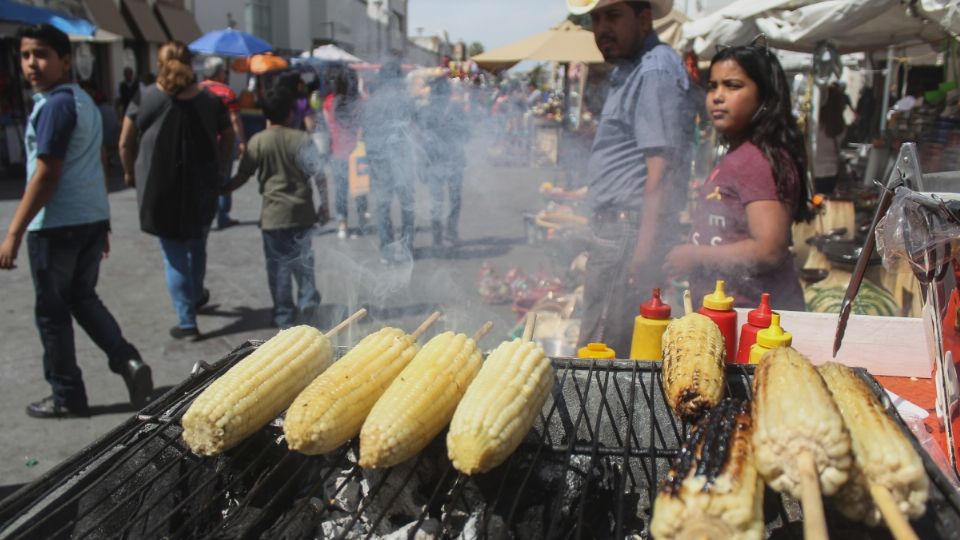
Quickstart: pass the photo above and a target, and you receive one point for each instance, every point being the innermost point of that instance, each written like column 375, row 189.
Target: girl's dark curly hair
column 774, row 130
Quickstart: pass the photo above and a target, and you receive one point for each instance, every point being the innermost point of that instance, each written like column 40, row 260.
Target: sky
column 498, row 22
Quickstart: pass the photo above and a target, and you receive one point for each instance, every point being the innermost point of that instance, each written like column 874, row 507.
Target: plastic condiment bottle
column 648, row 329
column 597, row 351
column 719, row 308
column 757, row 320
column 770, row 338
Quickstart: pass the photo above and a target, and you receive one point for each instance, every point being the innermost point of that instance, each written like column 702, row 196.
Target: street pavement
column 349, row 275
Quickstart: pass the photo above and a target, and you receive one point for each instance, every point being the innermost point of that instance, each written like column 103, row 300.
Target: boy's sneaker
column 342, row 230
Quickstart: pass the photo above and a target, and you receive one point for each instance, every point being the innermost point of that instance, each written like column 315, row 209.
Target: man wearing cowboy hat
column 639, row 166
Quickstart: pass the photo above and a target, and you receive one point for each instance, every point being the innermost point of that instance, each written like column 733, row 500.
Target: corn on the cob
column 882, row 454
column 331, row 410
column 694, row 354
column 420, row 401
column 713, row 490
column 254, row 391
column 499, row 407
column 794, row 415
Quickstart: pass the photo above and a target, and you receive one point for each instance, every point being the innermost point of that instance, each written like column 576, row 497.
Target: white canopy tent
column 331, row 53
column 852, row 25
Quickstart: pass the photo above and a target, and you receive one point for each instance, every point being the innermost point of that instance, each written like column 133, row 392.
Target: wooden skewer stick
column 361, row 313
column 687, row 303
column 483, row 330
column 814, row 520
column 528, row 327
column 425, row 324
column 897, row 523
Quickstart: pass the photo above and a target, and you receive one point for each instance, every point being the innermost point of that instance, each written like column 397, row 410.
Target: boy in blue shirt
column 65, row 216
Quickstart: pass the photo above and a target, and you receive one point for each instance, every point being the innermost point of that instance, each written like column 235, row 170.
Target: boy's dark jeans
column 65, row 265
column 289, row 257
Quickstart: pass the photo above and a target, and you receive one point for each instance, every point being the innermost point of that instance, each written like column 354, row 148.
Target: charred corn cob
column 713, row 491
column 694, row 354
column 794, row 414
column 499, row 406
column 331, row 410
column 254, row 391
column 420, row 402
column 882, row 454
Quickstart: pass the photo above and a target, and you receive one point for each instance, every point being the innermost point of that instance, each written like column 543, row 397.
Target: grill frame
column 570, row 433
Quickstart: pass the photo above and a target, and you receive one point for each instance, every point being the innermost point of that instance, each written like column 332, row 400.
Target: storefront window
column 258, row 17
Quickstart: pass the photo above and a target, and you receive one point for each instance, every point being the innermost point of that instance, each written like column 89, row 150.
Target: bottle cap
column 761, row 316
column 774, row 337
column 597, row 351
column 655, row 308
column 718, row 299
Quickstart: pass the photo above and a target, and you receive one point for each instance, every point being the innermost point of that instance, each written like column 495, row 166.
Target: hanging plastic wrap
column 920, row 233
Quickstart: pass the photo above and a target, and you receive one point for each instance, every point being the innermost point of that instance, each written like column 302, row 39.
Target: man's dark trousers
column 65, row 265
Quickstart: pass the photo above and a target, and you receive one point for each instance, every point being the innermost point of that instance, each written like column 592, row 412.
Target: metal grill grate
column 588, row 469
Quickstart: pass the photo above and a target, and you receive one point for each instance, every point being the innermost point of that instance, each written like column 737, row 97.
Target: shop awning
column 106, row 15
column 145, row 21
column 26, row 14
column 180, row 23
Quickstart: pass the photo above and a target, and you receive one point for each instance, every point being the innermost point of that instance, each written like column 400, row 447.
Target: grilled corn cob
column 713, row 490
column 331, row 410
column 882, row 454
column 254, row 391
column 694, row 354
column 794, row 414
column 420, row 401
column 499, row 407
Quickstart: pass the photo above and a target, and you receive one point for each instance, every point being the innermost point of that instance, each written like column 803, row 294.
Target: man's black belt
column 613, row 214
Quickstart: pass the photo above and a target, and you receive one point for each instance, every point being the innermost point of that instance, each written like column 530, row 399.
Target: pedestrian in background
column 340, row 111
column 387, row 121
column 276, row 156
column 830, row 134
column 169, row 149
column 215, row 71
column 445, row 133
column 65, row 215
column 126, row 89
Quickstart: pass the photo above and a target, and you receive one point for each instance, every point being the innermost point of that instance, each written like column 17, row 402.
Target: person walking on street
column 445, row 134
column 287, row 218
column 65, row 216
column 126, row 89
column 387, row 121
column 169, row 149
column 215, row 71
column 340, row 111
column 638, row 167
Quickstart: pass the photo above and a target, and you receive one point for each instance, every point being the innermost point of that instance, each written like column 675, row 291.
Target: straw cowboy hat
column 660, row 8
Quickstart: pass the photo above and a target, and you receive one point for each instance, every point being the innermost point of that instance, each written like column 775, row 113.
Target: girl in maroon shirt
column 741, row 228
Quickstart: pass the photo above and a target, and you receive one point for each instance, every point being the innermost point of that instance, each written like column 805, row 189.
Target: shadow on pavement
column 245, row 318
column 480, row 248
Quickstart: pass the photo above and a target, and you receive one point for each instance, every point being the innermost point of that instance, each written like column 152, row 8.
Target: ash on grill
column 589, row 468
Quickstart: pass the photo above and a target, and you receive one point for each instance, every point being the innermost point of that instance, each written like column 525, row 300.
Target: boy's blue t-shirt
column 66, row 124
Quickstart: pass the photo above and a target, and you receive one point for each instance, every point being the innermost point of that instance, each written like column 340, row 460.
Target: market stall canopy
column 851, row 25
column 670, row 29
column 230, row 42
column 22, row 13
column 144, row 21
column 331, row 53
column 259, row 64
column 566, row 42
column 179, row 23
column 106, row 15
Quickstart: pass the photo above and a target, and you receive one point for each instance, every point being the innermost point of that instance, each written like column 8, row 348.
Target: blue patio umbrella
column 26, row 14
column 230, row 42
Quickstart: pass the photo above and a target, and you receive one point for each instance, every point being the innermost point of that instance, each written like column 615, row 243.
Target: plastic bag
column 919, row 233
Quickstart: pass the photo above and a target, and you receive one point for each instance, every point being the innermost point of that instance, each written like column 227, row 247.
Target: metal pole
column 887, row 79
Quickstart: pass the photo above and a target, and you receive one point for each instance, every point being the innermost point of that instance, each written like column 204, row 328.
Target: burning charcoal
column 333, row 528
column 428, row 530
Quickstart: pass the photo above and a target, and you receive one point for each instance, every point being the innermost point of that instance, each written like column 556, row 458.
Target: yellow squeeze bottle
column 598, row 351
column 648, row 329
column 770, row 338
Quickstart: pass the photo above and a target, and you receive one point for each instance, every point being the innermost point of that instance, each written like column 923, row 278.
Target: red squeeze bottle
column 719, row 308
column 757, row 320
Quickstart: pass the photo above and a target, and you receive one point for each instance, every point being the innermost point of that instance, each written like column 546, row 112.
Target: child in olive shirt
column 288, row 215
